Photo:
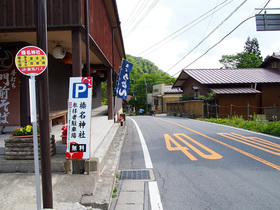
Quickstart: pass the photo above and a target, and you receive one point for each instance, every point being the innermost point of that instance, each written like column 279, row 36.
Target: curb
column 102, row 195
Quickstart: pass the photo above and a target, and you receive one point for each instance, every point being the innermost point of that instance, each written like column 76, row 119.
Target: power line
column 185, row 27
column 136, row 13
column 142, row 17
column 130, row 16
column 216, row 43
column 183, row 32
column 208, row 35
column 205, row 31
column 222, row 38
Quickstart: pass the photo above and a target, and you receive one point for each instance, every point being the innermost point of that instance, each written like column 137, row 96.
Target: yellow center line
column 243, row 139
column 227, row 145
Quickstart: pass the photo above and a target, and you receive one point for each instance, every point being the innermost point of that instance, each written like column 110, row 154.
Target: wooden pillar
column 110, row 93
column 76, row 54
column 77, row 164
column 44, row 107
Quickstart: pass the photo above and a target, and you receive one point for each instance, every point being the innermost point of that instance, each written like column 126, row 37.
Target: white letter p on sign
column 80, row 88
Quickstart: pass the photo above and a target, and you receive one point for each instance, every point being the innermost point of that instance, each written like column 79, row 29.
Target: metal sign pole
column 33, row 112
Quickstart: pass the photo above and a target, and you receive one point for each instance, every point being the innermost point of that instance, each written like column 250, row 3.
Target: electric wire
column 136, row 14
column 142, row 17
column 130, row 16
column 208, row 35
column 206, row 29
column 188, row 24
column 182, row 32
column 216, row 43
column 222, row 38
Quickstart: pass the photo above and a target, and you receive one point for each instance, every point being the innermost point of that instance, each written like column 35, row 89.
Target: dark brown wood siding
column 23, row 13
column 64, row 12
column 17, row 13
column 270, row 95
column 100, row 28
column 118, row 59
column 59, row 74
column 188, row 90
column 239, row 104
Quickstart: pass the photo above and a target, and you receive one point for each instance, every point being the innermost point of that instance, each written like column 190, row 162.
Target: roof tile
column 239, row 90
column 234, row 76
column 169, row 89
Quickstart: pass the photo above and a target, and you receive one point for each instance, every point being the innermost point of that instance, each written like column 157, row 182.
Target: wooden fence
column 185, row 108
column 270, row 113
column 197, row 108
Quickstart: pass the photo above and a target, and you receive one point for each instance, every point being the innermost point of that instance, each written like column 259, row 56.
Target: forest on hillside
column 142, row 70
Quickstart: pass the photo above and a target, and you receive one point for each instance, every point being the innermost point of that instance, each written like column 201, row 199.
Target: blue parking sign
column 80, row 90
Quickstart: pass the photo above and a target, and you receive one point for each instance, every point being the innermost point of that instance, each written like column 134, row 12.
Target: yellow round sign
column 31, row 60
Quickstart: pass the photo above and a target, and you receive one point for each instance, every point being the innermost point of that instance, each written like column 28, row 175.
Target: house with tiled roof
column 238, row 91
column 163, row 94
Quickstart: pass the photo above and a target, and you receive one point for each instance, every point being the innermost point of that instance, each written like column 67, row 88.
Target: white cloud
column 169, row 16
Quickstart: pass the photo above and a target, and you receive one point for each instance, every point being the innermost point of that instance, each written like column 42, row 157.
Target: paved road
column 199, row 165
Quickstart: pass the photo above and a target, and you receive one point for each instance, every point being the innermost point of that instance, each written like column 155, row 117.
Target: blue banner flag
column 124, row 81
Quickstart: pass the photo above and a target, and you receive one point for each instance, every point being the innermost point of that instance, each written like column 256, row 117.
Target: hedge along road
column 200, row 165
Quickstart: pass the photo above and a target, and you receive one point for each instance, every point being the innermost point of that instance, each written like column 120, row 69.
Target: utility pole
column 146, row 96
column 87, row 39
column 44, row 107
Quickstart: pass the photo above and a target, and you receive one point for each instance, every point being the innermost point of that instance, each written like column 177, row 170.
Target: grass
column 115, row 190
column 257, row 124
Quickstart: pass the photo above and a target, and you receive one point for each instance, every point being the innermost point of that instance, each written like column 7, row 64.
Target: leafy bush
column 258, row 124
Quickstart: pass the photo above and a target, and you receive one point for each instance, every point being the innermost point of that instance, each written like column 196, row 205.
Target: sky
column 203, row 23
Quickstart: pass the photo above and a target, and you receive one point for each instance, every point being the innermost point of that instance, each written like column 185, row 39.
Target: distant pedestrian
column 141, row 111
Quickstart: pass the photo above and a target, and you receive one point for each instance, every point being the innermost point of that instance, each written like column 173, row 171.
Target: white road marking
column 146, row 153
column 153, row 186
column 155, row 196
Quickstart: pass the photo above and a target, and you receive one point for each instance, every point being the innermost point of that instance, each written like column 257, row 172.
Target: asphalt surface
column 199, row 165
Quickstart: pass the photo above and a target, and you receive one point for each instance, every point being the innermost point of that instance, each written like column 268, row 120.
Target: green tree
column 144, row 69
column 104, row 93
column 249, row 58
column 209, row 98
column 252, row 47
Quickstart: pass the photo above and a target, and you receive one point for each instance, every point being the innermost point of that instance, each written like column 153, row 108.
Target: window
column 196, row 94
column 156, row 101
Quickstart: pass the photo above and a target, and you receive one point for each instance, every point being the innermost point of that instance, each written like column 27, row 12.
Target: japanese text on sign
column 31, row 60
column 79, row 118
column 8, row 82
column 124, row 81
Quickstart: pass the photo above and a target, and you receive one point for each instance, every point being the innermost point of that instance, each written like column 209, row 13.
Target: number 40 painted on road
column 178, row 147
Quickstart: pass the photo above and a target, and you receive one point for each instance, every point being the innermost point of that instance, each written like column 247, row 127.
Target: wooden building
column 66, row 29
column 162, row 94
column 238, row 91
